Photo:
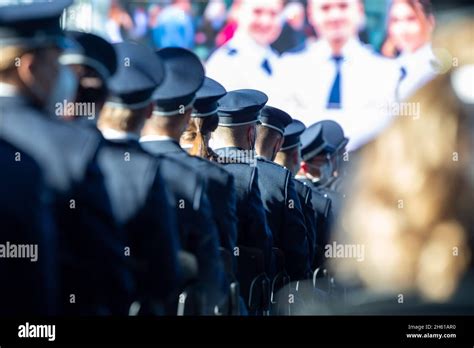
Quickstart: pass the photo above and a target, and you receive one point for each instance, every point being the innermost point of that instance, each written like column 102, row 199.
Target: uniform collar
column 351, row 49
column 154, row 137
column 115, row 135
column 161, row 144
column 8, row 90
column 19, row 100
column 420, row 56
column 243, row 42
column 236, row 153
column 303, row 178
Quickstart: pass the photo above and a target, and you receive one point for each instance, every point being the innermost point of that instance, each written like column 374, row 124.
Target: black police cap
column 139, row 73
column 34, row 24
column 292, row 135
column 313, row 142
column 97, row 53
column 184, row 75
column 206, row 98
column 241, row 107
column 334, row 134
column 274, row 118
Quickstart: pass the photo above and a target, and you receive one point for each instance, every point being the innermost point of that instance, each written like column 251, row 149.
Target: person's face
column 262, row 20
column 406, row 28
column 296, row 18
column 296, row 161
column 336, row 20
column 315, row 164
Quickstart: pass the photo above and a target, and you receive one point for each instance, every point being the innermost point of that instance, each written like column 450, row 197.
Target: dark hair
column 92, row 94
column 425, row 6
column 198, row 128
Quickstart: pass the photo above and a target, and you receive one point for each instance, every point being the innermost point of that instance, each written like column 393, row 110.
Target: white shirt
column 154, row 137
column 238, row 64
column 7, row 90
column 368, row 86
column 420, row 67
column 112, row 134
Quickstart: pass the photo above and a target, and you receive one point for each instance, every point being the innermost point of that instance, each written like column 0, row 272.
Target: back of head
column 267, row 139
column 290, row 159
column 232, row 136
column 124, row 119
column 204, row 119
column 239, row 112
column 198, row 134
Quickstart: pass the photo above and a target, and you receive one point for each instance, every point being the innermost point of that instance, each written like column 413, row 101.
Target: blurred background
column 205, row 25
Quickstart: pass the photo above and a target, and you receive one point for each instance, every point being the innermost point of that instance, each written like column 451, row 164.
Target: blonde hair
column 410, row 206
column 121, row 118
column 9, row 56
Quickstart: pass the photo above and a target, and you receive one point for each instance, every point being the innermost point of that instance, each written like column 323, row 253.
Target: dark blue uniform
column 90, row 243
column 198, row 233
column 183, row 76
column 327, row 204
column 142, row 205
column 29, row 286
column 253, row 230
column 220, row 188
column 314, row 215
column 284, row 216
column 316, row 142
column 311, row 218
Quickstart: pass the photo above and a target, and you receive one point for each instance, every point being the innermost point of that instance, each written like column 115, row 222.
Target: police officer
column 220, row 183
column 289, row 156
column 234, row 142
column 282, row 204
column 204, row 121
column 93, row 276
column 173, row 102
column 30, row 286
column 136, row 189
column 316, row 170
column 334, row 135
column 93, row 63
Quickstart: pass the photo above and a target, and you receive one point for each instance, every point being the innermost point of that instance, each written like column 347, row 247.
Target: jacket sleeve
column 311, row 224
column 104, row 242
column 294, row 242
column 160, row 245
column 258, row 231
column 205, row 241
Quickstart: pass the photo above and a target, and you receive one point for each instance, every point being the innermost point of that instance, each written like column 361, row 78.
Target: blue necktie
column 266, row 66
column 403, row 75
column 335, row 96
